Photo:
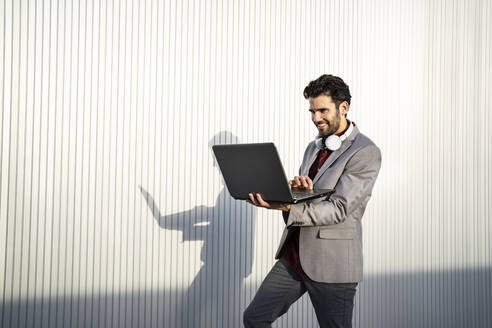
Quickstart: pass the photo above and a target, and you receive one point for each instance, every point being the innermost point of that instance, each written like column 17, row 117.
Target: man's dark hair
column 328, row 85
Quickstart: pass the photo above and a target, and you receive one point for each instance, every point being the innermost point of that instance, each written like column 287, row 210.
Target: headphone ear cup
column 333, row 142
column 318, row 142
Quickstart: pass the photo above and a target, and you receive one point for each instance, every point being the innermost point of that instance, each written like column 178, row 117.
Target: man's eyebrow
column 317, row 109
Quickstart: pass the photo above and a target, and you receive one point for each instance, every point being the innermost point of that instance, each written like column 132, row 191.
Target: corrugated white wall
column 113, row 214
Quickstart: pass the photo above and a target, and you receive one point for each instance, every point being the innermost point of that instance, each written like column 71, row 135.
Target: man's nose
column 317, row 116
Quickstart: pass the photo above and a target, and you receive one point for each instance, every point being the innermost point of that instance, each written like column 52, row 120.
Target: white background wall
column 112, row 212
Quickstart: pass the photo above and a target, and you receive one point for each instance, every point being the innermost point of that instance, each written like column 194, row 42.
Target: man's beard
column 332, row 127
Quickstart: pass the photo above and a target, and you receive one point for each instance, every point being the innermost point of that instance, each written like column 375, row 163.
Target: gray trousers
column 333, row 302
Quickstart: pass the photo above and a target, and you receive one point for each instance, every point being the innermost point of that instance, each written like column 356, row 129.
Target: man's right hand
column 301, row 182
column 256, row 200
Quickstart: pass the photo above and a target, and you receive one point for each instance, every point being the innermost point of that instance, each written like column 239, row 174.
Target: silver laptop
column 256, row 168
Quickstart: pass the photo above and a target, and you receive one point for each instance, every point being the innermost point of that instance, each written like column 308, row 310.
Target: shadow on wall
column 445, row 298
column 216, row 294
column 460, row 298
column 216, row 297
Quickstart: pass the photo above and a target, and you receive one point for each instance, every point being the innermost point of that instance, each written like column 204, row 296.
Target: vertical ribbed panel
column 113, row 213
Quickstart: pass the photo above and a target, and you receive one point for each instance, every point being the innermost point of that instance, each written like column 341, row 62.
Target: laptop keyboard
column 301, row 194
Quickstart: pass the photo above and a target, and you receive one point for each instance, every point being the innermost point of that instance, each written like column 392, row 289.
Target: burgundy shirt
column 291, row 253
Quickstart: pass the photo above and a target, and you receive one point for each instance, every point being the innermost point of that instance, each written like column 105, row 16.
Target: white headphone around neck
column 333, row 142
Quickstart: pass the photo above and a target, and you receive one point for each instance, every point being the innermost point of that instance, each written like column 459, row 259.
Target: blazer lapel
column 345, row 145
column 305, row 168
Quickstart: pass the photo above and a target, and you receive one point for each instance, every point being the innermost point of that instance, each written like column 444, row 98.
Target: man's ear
column 344, row 108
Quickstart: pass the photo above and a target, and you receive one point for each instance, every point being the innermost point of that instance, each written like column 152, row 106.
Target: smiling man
column 321, row 248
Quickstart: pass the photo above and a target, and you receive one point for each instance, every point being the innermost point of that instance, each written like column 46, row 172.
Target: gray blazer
column 330, row 245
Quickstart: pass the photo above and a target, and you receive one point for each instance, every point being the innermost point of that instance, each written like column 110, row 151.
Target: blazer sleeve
column 353, row 189
column 285, row 215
